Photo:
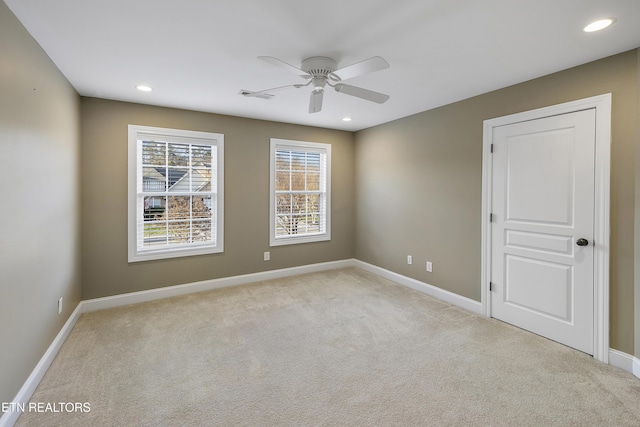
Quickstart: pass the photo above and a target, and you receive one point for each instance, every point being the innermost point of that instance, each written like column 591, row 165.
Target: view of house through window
column 300, row 191
column 177, row 193
column 176, row 169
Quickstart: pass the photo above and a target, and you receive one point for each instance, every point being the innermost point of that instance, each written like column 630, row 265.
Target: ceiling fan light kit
column 319, row 72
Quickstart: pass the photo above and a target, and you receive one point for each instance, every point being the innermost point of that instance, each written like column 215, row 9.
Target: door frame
column 602, row 105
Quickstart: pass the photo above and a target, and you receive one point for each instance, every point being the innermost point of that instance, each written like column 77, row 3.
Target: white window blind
column 300, row 191
column 175, row 193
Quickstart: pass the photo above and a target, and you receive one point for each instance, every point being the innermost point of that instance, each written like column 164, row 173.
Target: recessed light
column 144, row 88
column 598, row 25
column 346, row 119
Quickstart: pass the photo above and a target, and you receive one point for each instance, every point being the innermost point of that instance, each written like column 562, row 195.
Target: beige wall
column 39, row 219
column 418, row 183
column 105, row 270
column 637, row 224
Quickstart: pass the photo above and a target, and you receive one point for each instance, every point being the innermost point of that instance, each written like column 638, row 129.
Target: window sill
column 281, row 241
column 152, row 255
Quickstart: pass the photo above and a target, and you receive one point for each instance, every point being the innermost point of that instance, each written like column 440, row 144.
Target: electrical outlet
column 267, row 256
column 429, row 267
column 409, row 259
column 60, row 306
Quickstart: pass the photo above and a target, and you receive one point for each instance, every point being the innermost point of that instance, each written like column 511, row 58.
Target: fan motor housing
column 319, row 66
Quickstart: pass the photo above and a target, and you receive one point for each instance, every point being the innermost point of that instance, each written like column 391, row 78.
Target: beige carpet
column 338, row 348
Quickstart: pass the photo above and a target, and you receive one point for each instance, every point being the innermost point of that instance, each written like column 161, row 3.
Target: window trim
column 276, row 143
column 176, row 135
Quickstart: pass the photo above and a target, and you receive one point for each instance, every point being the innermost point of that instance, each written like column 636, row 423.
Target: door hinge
column 490, row 217
column 490, row 286
column 492, row 148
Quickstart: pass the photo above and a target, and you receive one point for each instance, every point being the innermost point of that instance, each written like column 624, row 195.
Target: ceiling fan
column 319, row 72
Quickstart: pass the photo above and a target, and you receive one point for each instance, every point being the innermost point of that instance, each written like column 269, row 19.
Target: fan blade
column 359, row 92
column 278, row 63
column 267, row 92
column 361, row 68
column 315, row 102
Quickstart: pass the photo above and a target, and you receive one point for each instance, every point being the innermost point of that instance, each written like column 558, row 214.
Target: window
column 300, row 192
column 176, row 182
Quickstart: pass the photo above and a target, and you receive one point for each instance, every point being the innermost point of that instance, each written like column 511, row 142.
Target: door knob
column 582, row 242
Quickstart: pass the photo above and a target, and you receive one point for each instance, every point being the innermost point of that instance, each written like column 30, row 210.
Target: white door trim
column 602, row 105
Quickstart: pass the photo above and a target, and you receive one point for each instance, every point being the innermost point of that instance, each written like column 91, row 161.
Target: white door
column 543, row 226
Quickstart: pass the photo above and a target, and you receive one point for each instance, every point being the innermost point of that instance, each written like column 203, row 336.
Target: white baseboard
column 624, row 361
column 207, row 285
column 621, row 360
column 441, row 294
column 9, row 418
column 225, row 282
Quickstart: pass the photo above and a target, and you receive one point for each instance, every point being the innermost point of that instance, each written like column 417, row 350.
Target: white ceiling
column 198, row 54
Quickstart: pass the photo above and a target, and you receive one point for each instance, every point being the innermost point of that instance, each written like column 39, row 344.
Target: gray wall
column 418, row 183
column 39, row 219
column 105, row 270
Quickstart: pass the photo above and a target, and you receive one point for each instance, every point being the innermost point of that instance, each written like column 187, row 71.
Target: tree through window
column 300, row 191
